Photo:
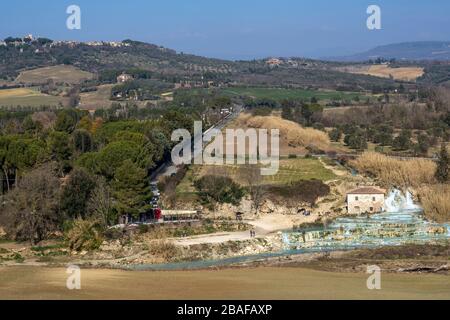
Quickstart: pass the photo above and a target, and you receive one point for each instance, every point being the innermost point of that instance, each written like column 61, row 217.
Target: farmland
column 291, row 170
column 385, row 71
column 26, row 97
column 96, row 99
column 280, row 94
column 59, row 74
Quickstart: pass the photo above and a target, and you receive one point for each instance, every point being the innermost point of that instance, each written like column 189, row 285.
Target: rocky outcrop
column 246, row 207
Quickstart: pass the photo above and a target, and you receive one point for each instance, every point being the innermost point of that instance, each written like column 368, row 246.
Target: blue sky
column 234, row 29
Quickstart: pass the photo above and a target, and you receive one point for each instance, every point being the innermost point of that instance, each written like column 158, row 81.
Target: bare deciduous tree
column 31, row 212
column 255, row 183
column 99, row 206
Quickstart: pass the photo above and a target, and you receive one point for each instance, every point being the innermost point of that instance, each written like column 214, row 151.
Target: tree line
column 66, row 170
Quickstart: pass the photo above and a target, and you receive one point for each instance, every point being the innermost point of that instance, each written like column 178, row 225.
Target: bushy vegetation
column 301, row 112
column 435, row 200
column 442, row 173
column 139, row 90
column 164, row 249
column 84, row 235
column 301, row 191
column 31, row 210
column 219, row 189
column 395, row 172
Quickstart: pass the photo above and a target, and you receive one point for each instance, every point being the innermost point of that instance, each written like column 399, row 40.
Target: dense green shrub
column 219, row 189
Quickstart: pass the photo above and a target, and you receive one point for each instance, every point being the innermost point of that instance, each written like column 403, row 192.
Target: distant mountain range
column 423, row 50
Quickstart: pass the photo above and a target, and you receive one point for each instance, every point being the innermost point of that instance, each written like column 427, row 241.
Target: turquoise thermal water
column 402, row 223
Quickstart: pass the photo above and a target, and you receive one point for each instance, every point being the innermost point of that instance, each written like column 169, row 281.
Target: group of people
column 252, row 233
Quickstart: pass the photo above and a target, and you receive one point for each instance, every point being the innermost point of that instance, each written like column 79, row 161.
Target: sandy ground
column 263, row 226
column 257, row 283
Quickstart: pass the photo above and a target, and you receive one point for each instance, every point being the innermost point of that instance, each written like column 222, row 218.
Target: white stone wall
column 362, row 203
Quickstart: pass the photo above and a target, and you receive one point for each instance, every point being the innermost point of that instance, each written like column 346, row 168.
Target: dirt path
column 252, row 283
column 341, row 172
column 263, row 226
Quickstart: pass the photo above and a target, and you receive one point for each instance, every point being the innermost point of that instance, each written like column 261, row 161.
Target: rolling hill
column 424, row 50
column 143, row 60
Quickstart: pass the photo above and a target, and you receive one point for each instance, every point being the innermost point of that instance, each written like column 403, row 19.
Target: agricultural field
column 26, row 97
column 96, row 99
column 291, row 170
column 385, row 71
column 280, row 94
column 59, row 74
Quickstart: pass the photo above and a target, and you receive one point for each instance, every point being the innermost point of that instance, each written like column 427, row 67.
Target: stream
column 402, row 223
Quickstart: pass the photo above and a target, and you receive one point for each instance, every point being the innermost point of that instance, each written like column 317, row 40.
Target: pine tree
column 131, row 189
column 442, row 170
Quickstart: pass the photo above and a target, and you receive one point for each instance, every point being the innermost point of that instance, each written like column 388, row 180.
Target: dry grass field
column 96, row 99
column 18, row 92
column 59, row 74
column 385, row 71
column 435, row 200
column 294, row 139
column 253, row 283
column 394, row 172
column 26, row 97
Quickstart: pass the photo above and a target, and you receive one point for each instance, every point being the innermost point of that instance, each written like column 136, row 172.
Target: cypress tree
column 442, row 170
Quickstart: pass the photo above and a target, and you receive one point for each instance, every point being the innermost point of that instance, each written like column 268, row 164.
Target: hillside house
column 365, row 200
column 124, row 78
column 274, row 62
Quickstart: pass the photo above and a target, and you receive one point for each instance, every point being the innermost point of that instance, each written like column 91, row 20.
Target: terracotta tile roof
column 367, row 190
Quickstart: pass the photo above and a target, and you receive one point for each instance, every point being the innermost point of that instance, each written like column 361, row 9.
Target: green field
column 291, row 170
column 26, row 97
column 280, row 94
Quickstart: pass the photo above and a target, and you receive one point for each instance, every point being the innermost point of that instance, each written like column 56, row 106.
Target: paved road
column 168, row 168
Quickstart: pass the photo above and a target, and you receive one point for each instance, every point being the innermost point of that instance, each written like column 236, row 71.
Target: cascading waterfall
column 397, row 201
column 286, row 241
column 401, row 222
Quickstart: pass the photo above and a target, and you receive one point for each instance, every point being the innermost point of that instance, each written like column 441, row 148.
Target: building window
column 371, row 209
column 356, row 198
column 373, row 199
